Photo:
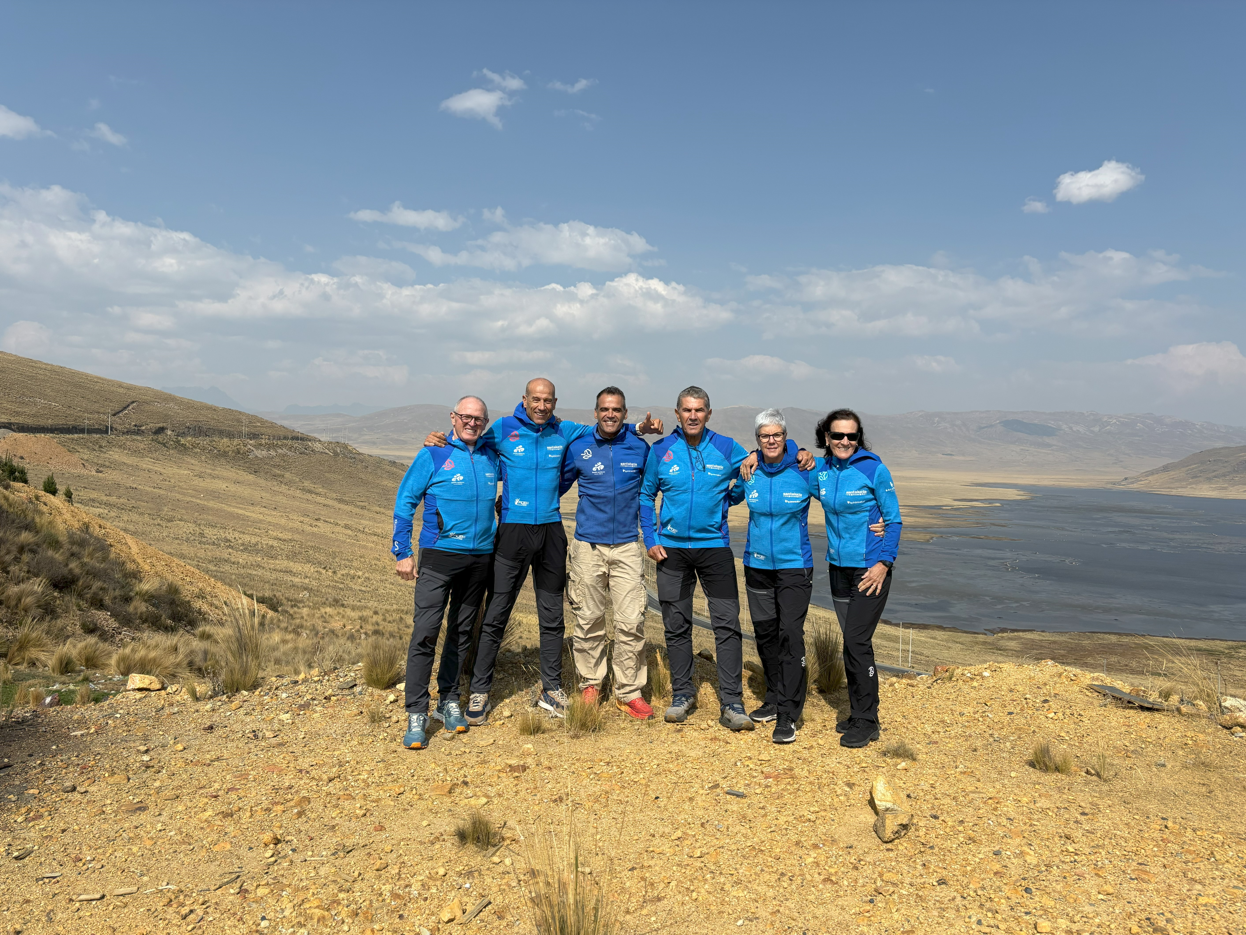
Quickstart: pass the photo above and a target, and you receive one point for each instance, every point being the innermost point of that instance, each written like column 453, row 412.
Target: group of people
column 669, row 501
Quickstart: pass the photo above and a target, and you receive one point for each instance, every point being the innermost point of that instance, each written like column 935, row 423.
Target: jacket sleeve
column 570, row 472
column 648, row 495
column 410, row 492
column 737, row 493
column 738, row 454
column 572, row 431
column 889, row 506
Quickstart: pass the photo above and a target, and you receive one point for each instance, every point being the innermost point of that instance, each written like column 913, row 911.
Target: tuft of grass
column 35, row 696
column 21, row 698
column 29, row 599
column 238, row 653
column 900, row 750
column 63, row 661
column 83, row 695
column 827, row 655
column 382, row 662
column 6, row 672
column 659, row 677
column 1169, row 692
column 563, row 895
column 29, row 645
column 583, row 717
column 1047, row 759
column 162, row 656
column 375, row 711
column 531, row 722
column 91, row 653
column 1196, row 676
column 477, row 830
column 191, row 688
column 1102, row 767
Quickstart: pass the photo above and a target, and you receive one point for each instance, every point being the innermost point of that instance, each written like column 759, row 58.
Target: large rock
column 882, row 799
column 892, row 824
column 143, row 683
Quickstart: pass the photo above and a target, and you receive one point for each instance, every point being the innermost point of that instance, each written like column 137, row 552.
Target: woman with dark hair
column 856, row 490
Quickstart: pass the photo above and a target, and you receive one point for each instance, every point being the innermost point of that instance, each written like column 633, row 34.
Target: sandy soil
column 42, row 450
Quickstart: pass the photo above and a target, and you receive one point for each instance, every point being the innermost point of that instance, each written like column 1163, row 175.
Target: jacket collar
column 857, row 457
column 522, row 415
column 622, row 434
column 789, row 459
column 454, row 441
column 707, row 435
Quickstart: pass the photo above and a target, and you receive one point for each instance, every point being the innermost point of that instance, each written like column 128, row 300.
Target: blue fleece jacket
column 609, row 473
column 854, row 494
column 531, row 464
column 778, row 513
column 458, row 486
column 695, row 487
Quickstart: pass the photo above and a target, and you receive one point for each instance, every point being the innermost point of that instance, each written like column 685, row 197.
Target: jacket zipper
column 770, row 501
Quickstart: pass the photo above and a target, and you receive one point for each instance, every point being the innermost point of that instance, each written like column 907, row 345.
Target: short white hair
column 478, row 399
column 768, row 417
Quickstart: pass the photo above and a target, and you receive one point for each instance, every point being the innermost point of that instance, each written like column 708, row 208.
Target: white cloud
column 576, row 88
column 499, row 358
column 17, row 127
column 478, row 104
column 1105, row 183
column 587, row 121
column 763, row 367
column 507, row 82
column 1187, row 366
column 408, row 217
column 28, row 338
column 1035, row 206
column 573, row 243
column 102, row 131
column 370, row 365
column 374, row 268
column 935, row 363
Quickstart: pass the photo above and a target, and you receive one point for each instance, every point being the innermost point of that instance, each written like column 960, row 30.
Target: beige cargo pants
column 617, row 571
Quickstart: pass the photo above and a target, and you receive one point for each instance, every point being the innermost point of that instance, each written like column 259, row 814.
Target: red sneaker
column 591, row 694
column 637, row 708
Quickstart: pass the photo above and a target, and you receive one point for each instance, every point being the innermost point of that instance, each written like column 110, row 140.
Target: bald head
column 539, row 400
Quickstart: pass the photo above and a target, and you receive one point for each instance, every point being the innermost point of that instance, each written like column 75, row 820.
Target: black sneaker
column 784, row 731
column 841, row 726
column 859, row 733
column 765, row 714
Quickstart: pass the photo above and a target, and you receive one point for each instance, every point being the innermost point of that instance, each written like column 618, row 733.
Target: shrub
column 1047, row 759
column 29, row 599
column 69, row 495
column 6, row 673
column 564, row 897
column 83, row 695
column 11, row 471
column 35, row 696
column 375, row 711
column 49, row 485
column 162, row 656
column 238, row 654
column 900, row 750
column 584, row 717
column 63, row 661
column 91, row 653
column 29, row 646
column 827, row 651
column 382, row 661
column 477, row 830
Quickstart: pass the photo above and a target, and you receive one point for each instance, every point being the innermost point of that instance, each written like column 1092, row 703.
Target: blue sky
column 790, row 204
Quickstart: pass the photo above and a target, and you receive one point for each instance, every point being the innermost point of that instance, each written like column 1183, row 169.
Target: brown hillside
column 1217, row 472
column 35, row 396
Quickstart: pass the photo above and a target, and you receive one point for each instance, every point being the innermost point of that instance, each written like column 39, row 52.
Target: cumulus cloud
column 507, row 81
column 17, row 127
column 370, row 365
column 1105, row 183
column 484, row 103
column 499, row 358
column 935, row 363
column 763, row 367
column 105, row 133
column 576, row 88
column 408, row 217
column 1035, row 206
column 573, row 243
column 1187, row 366
column 374, row 268
column 28, row 338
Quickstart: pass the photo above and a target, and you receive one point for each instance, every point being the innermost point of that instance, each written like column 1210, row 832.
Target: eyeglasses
column 775, row 437
column 469, row 420
column 840, row 436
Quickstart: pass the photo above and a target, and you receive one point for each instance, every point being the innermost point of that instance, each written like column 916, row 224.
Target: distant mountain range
column 1216, row 472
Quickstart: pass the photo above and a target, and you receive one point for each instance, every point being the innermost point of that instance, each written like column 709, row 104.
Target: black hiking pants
column 778, row 601
column 677, row 576
column 859, row 614
column 519, row 547
column 445, row 577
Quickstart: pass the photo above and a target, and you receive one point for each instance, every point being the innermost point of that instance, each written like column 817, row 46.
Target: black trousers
column 778, row 601
column 859, row 614
column 445, row 577
column 519, row 547
column 677, row 576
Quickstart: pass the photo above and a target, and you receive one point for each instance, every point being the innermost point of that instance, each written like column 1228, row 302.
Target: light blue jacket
column 778, row 513
column 695, row 486
column 854, row 494
column 531, row 464
column 458, row 487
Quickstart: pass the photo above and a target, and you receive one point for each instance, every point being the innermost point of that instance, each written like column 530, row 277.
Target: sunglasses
column 840, row 436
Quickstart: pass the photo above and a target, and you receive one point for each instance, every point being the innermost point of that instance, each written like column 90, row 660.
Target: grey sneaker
column 416, row 737
column 681, row 707
column 734, row 718
column 478, row 709
column 554, row 702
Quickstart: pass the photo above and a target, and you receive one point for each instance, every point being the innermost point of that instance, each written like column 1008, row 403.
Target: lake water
column 1076, row 560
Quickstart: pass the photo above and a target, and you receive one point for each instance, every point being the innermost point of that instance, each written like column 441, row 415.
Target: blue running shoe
column 416, row 737
column 554, row 702
column 451, row 716
column 681, row 707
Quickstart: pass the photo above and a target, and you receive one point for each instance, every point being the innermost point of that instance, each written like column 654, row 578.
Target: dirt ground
column 288, row 810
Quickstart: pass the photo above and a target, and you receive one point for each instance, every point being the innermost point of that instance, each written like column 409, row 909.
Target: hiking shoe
column 841, row 726
column 591, row 694
column 859, row 733
column 478, row 709
column 416, row 737
column 637, row 708
column 554, row 702
column 681, row 707
column 734, row 718
column 451, row 716
column 764, row 714
column 784, row 731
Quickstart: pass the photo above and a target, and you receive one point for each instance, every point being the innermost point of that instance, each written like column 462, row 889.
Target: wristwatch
column 887, row 563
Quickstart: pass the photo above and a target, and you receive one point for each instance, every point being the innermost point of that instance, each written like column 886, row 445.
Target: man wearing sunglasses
column 531, row 444
column 457, row 484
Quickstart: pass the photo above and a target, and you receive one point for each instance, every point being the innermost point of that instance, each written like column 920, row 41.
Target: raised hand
column 806, row 460
column 435, row 439
column 650, row 425
column 748, row 466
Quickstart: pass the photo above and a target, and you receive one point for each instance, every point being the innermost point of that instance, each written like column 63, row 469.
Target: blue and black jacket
column 694, row 483
column 531, row 464
column 854, row 494
column 458, row 486
column 609, row 472
column 778, row 513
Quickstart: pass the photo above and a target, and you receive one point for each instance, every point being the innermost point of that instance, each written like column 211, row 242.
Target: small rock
column 347, row 685
column 1233, row 705
column 179, row 747
column 452, row 912
column 528, row 748
column 380, row 865
column 143, row 683
column 892, row 824
column 882, row 799
column 68, row 787
column 391, row 698
column 51, row 701
column 125, row 891
column 117, row 779
column 272, row 838
column 1160, row 764
column 88, row 897
column 1041, row 926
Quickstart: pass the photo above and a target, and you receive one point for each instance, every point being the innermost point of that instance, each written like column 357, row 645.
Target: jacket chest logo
column 599, row 468
column 513, row 437
column 669, row 456
column 449, row 465
column 517, row 450
column 586, row 454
